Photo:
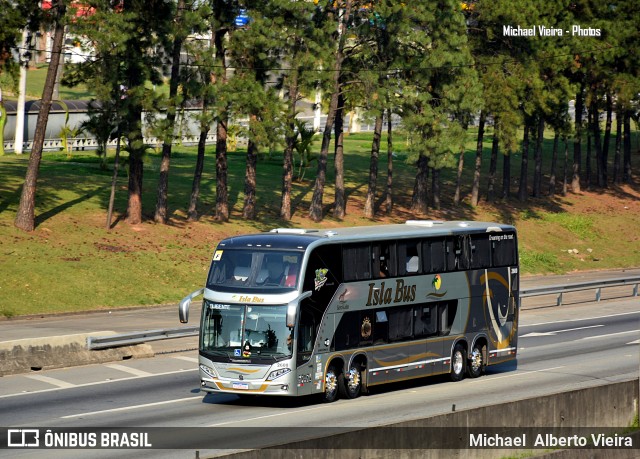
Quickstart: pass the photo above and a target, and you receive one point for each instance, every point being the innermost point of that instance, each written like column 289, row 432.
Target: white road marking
column 635, row 342
column 131, row 371
column 97, row 383
column 553, row 333
column 286, row 413
column 53, row 381
column 132, row 407
column 577, row 320
column 611, row 334
column 184, row 357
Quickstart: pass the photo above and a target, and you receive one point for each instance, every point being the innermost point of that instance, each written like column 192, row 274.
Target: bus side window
column 504, row 250
column 434, row 255
column 424, row 323
column 400, row 323
column 383, row 259
column 409, row 258
column 480, row 251
column 356, row 260
column 463, row 252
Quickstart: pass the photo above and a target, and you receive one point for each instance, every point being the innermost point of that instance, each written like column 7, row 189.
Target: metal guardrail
column 128, row 339
column 560, row 290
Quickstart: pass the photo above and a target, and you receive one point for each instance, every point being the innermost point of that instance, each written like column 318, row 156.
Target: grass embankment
column 71, row 263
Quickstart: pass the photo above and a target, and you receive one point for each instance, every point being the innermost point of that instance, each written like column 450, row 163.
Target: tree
column 124, row 35
column 25, row 217
column 15, row 16
column 342, row 19
column 179, row 31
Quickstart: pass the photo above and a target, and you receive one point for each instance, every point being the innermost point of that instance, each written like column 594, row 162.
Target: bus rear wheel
column 351, row 383
column 331, row 385
column 458, row 363
column 476, row 362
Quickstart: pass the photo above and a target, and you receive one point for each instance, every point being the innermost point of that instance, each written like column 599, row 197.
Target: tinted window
column 356, row 262
column 480, row 251
column 409, row 260
column 503, row 247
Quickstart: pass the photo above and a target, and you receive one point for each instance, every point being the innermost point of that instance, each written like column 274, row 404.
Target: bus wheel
column 458, row 363
column 351, row 383
column 331, row 385
column 476, row 362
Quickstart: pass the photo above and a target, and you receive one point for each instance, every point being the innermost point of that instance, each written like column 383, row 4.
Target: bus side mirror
column 292, row 308
column 183, row 308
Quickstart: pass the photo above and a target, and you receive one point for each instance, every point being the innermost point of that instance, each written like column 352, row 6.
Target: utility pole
column 22, row 94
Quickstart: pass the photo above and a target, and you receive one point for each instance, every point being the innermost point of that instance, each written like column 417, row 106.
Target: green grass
column 580, row 225
column 71, row 263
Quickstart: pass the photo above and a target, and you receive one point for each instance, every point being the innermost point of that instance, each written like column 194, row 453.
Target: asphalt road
column 560, row 349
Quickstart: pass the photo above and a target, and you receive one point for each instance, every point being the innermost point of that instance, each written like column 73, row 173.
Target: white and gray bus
column 296, row 312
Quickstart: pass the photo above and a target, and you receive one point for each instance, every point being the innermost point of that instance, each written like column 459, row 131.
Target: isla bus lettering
column 388, row 295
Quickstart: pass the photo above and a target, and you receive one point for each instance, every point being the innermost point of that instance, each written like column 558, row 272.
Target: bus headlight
column 277, row 373
column 210, row 372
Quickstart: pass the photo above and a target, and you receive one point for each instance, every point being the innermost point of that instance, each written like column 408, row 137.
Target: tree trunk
column 588, row 160
column 606, row 140
column 136, row 167
column 565, row 173
column 595, row 119
column 114, row 178
column 522, row 191
column 162, row 211
column 25, row 217
column 618, row 156
column 537, row 174
column 456, row 196
column 419, row 198
column 475, row 189
column 554, row 161
column 493, row 164
column 287, row 162
column 339, row 208
column 626, row 170
column 389, row 198
column 370, row 202
column 315, row 210
column 435, row 188
column 249, row 210
column 506, row 176
column 222, row 195
column 192, row 213
column 577, row 147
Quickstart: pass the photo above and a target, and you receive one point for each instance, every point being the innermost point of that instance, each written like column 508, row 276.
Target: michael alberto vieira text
column 550, row 441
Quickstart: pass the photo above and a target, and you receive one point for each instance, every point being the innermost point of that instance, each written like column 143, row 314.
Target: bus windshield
column 242, row 270
column 243, row 331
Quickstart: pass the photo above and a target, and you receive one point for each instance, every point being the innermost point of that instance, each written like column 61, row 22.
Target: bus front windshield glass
column 242, row 331
column 243, row 270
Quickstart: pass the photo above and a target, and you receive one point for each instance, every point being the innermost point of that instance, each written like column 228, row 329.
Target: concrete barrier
column 34, row 354
column 595, row 409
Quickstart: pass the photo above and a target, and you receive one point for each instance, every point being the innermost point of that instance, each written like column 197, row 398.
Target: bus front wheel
column 331, row 385
column 458, row 362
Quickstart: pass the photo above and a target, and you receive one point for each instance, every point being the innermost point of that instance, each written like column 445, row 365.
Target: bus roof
column 294, row 238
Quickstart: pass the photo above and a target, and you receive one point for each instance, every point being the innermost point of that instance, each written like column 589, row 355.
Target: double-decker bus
column 296, row 312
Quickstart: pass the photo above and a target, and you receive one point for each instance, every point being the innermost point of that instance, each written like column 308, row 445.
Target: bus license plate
column 238, row 385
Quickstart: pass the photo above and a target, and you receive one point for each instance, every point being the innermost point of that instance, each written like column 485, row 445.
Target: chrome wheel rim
column 457, row 362
column 476, row 360
column 330, row 383
column 353, row 379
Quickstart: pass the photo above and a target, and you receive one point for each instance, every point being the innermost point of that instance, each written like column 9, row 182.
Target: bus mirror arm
column 292, row 307
column 183, row 308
